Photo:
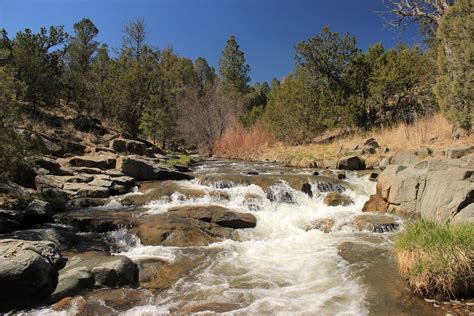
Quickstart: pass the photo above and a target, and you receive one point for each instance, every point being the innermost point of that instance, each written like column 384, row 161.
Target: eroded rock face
column 129, row 146
column 28, row 272
column 99, row 162
column 436, row 189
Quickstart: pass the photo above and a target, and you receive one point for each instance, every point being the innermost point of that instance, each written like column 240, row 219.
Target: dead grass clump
column 437, row 259
column 239, row 142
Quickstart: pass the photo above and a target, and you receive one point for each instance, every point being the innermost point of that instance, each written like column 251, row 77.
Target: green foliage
column 336, row 85
column 101, row 74
column 80, row 53
column 37, row 65
column 232, row 67
column 181, row 160
column 455, row 81
column 437, row 259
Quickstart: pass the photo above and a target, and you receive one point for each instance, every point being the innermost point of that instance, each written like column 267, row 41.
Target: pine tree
column 455, row 82
column 80, row 54
column 232, row 67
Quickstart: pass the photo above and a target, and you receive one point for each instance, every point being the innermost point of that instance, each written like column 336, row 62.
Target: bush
column 56, row 198
column 437, row 259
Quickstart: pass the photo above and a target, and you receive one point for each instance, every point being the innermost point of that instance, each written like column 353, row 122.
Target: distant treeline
column 157, row 94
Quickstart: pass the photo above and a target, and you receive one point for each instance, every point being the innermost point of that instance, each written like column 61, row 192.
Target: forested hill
column 154, row 93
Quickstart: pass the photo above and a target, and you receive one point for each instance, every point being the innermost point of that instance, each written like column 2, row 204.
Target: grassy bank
column 259, row 144
column 437, row 260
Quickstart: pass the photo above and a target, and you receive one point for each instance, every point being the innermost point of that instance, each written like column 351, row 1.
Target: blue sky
column 267, row 30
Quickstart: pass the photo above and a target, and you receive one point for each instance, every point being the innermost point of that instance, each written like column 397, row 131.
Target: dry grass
column 437, row 260
column 241, row 143
column 434, row 132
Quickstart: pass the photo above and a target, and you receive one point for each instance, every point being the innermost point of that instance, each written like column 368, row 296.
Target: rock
column 132, row 147
column 280, row 193
column 81, row 190
column 218, row 215
column 85, row 202
column 94, row 269
column 52, row 166
column 326, row 186
column 162, row 189
column 10, row 220
column 336, row 199
column 375, row 223
column 47, row 146
column 67, row 303
column 28, row 272
column 410, row 157
column 351, row 163
column 62, row 238
column 142, row 169
column 192, row 226
column 306, row 188
column 376, row 203
column 330, row 164
column 87, row 170
column 341, row 175
column 38, row 212
column 373, row 176
column 88, row 124
column 324, row 224
column 369, row 146
column 460, row 151
column 384, row 163
column 162, row 275
column 70, row 147
column 464, row 216
column 44, row 182
column 436, row 189
column 99, row 220
column 99, row 162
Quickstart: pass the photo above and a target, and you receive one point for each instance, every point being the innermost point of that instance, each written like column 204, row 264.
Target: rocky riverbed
column 123, row 227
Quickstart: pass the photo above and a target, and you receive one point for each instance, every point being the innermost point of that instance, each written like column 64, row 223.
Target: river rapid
column 283, row 266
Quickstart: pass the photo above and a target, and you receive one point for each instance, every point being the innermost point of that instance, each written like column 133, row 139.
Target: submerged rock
column 375, row 223
column 336, row 199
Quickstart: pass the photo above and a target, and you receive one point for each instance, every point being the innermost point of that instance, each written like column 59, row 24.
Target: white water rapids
column 280, row 267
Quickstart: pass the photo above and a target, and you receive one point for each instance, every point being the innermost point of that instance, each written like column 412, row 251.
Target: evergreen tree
column 232, row 67
column 455, row 81
column 102, row 75
column 205, row 74
column 80, row 55
column 37, row 65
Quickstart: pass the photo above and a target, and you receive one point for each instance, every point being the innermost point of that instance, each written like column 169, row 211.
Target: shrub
column 437, row 259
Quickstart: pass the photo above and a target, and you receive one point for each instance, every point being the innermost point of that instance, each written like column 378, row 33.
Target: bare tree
column 205, row 116
column 425, row 12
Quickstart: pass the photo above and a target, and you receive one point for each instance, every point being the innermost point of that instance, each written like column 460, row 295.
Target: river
column 280, row 267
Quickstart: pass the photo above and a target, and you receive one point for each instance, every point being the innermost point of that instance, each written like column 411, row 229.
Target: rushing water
column 280, row 267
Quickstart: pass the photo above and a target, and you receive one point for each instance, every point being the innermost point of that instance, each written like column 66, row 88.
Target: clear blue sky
column 267, row 30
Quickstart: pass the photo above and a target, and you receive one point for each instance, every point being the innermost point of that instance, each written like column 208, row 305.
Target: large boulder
column 37, row 212
column 436, row 189
column 28, row 272
column 351, row 163
column 132, row 147
column 218, row 215
column 63, row 239
column 95, row 269
column 145, row 169
column 192, row 226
